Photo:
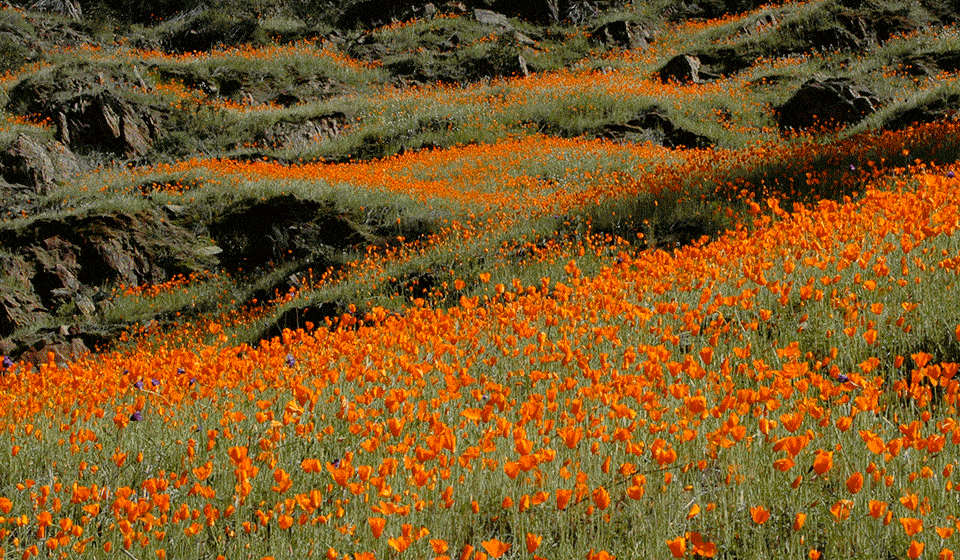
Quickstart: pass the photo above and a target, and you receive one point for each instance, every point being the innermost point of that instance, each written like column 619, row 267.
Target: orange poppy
column 759, row 514
column 495, row 548
column 911, row 526
column 823, row 461
column 699, row 547
column 439, row 546
column 855, row 482
column 376, row 525
column 533, row 542
column 601, row 498
column 677, row 546
column 841, row 509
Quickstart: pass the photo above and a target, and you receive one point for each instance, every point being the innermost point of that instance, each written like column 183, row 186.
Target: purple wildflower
column 138, row 384
column 950, row 174
column 291, row 361
column 154, row 381
column 7, row 362
column 181, row 371
column 136, row 416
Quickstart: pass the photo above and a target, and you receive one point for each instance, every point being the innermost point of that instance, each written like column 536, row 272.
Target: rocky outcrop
column 624, row 34
column 931, row 63
column 935, row 109
column 653, row 125
column 105, row 122
column 683, row 68
column 374, row 13
column 62, row 267
column 826, row 103
column 31, row 163
column 207, row 30
column 304, row 135
column 89, row 110
column 702, row 67
column 253, row 233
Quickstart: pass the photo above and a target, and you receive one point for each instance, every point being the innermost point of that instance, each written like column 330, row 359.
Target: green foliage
column 12, row 54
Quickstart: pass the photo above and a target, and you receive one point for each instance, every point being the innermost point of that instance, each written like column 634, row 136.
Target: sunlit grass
column 695, row 378
column 529, row 364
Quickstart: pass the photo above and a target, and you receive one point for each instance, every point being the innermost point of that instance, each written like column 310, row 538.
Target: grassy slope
column 522, row 344
column 577, row 92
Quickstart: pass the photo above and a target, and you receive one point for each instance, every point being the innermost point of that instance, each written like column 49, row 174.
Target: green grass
column 404, row 307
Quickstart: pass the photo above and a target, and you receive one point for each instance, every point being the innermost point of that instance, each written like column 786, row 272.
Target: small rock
column 209, row 251
column 522, row 63
column 488, row 17
column 86, row 306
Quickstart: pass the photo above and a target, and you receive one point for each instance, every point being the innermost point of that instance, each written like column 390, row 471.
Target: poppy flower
column 911, row 526
column 823, row 461
column 855, row 482
column 701, row 548
column 495, row 547
column 841, row 509
column 533, row 542
column 759, row 514
column 376, row 526
column 677, row 546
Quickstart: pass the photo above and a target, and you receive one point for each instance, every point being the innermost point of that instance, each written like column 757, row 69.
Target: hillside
column 479, row 279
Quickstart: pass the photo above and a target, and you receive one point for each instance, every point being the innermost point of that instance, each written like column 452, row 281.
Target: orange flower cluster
column 573, row 397
column 680, row 387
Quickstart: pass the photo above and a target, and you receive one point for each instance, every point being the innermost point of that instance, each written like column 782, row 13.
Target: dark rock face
column 28, row 162
column 932, row 63
column 655, row 126
column 623, row 34
column 826, row 102
column 702, row 67
column 373, row 13
column 208, row 30
column 255, row 233
column 66, row 262
column 936, row 109
column 683, row 68
column 88, row 110
column 873, row 22
column 536, row 11
column 104, row 122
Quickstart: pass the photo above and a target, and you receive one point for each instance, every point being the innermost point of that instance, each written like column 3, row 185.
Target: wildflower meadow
column 575, row 382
